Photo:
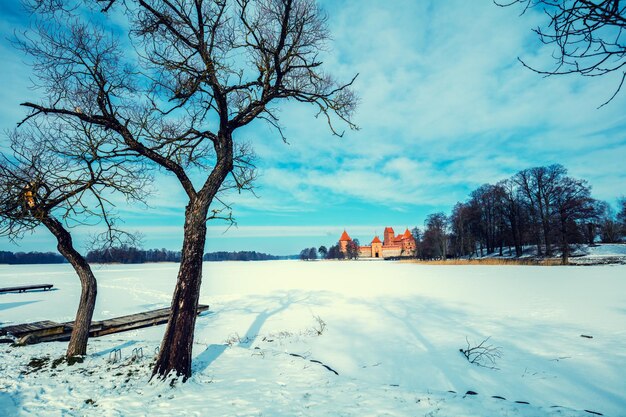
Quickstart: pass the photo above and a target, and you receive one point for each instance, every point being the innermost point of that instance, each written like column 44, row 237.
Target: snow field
column 392, row 333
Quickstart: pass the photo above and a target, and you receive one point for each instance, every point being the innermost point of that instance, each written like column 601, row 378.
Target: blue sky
column 445, row 106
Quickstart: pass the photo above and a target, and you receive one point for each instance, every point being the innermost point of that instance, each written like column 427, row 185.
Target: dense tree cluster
column 308, row 254
column 540, row 206
column 239, row 256
column 131, row 255
column 332, row 252
column 20, row 258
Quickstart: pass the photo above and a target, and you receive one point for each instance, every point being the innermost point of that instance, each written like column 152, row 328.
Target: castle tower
column 408, row 242
column 343, row 242
column 377, row 248
column 388, row 236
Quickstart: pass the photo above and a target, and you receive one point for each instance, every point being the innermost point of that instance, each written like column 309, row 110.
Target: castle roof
column 407, row 234
column 376, row 240
column 389, row 229
column 344, row 237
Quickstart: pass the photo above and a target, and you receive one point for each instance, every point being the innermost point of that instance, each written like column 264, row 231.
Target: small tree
column 608, row 223
column 352, row 249
column 436, row 236
column 334, row 252
column 323, row 252
column 59, row 177
column 572, row 204
column 417, row 235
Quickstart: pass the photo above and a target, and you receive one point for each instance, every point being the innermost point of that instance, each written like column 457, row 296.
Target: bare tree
column 539, row 186
column 59, row 177
column 462, row 242
column 572, row 203
column 198, row 71
column 608, row 223
column 514, row 213
column 486, row 203
column 589, row 36
column 435, row 238
column 417, row 235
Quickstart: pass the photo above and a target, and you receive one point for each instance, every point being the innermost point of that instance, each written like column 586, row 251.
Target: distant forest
column 130, row 255
column 21, row 258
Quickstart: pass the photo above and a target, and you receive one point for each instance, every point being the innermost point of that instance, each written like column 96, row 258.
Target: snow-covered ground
column 583, row 254
column 393, row 333
column 605, row 253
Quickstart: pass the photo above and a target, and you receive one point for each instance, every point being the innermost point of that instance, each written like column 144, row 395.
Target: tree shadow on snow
column 124, row 345
column 214, row 351
column 208, row 356
column 255, row 327
column 6, row 306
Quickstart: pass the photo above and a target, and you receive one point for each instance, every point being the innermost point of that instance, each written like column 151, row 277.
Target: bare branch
column 589, row 37
column 482, row 354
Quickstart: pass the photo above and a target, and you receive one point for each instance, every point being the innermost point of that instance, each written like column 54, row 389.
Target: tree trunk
column 176, row 348
column 538, row 236
column 89, row 289
column 547, row 238
column 590, row 233
column 565, row 242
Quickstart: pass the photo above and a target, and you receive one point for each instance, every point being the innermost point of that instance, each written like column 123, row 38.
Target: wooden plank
column 45, row 331
column 24, row 288
column 134, row 321
column 37, row 329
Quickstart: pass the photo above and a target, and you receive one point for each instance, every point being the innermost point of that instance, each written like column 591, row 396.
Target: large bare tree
column 589, row 36
column 60, row 175
column 198, row 71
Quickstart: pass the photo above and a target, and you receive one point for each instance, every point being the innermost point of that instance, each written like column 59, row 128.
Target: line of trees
column 540, row 206
column 131, row 255
column 332, row 252
column 22, row 258
column 240, row 256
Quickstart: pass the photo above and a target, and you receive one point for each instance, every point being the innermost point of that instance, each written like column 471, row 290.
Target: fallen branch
column 483, row 354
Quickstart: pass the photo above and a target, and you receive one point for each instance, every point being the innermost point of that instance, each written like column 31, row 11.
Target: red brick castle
column 392, row 246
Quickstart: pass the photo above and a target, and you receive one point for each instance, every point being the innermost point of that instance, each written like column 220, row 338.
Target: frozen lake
column 393, row 333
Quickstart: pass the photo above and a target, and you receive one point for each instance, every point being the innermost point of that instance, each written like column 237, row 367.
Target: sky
column 445, row 106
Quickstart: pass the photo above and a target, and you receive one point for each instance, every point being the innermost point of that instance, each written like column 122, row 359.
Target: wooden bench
column 24, row 288
column 48, row 331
